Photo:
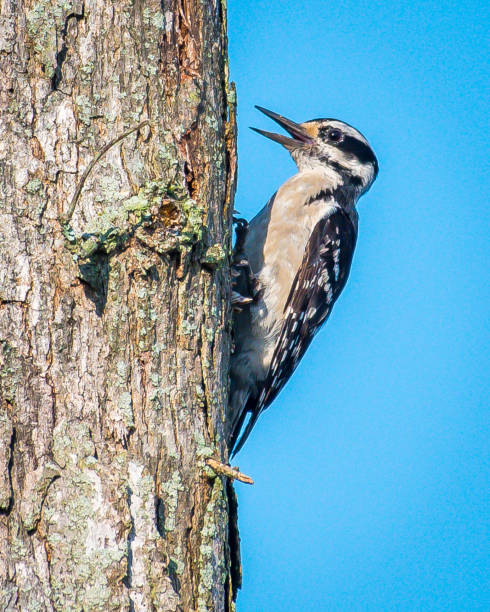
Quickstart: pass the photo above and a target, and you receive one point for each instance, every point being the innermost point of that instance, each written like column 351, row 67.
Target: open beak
column 299, row 136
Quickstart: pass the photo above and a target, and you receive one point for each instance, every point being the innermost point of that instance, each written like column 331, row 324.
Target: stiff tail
column 235, row 447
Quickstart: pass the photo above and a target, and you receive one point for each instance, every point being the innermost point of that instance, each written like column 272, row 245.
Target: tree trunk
column 117, row 166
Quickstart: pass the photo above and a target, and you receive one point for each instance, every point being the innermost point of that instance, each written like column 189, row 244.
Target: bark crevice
column 7, row 493
column 61, row 54
column 131, row 535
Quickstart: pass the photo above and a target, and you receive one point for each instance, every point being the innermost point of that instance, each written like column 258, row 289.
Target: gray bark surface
column 117, row 166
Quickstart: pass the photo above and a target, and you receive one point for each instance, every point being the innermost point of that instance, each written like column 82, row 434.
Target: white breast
column 275, row 246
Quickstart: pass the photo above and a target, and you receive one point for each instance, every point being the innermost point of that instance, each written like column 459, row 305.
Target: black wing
column 317, row 285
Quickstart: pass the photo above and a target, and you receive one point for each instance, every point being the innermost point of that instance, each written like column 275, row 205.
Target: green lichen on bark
column 214, row 256
column 37, row 485
column 6, row 433
column 10, row 371
column 171, row 488
column 79, row 526
column 44, row 23
column 115, row 225
column 212, row 567
column 158, row 205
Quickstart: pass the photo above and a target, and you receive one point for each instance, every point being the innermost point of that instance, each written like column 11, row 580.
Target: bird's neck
column 330, row 183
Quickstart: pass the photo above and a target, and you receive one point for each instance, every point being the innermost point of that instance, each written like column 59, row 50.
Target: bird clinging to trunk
column 292, row 260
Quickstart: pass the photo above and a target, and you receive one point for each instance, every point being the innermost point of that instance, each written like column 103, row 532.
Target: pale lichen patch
column 212, row 569
column 171, row 488
column 6, row 433
column 80, row 519
column 175, row 220
column 44, row 21
column 35, row 490
column 147, row 547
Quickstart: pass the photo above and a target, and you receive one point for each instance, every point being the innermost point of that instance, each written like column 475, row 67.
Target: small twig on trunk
column 228, row 471
column 67, row 218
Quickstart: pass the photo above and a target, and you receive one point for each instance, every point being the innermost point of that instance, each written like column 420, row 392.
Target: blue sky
column 372, row 466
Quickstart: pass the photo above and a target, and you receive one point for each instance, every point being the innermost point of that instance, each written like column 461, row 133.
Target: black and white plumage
column 293, row 260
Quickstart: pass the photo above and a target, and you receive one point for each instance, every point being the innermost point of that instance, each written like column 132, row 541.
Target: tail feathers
column 243, row 438
column 241, row 403
column 236, row 432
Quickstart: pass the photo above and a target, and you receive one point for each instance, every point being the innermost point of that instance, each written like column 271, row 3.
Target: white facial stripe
column 329, row 156
column 349, row 130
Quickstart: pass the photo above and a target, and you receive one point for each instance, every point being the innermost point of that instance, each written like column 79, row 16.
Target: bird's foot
column 245, row 286
column 241, row 230
column 244, row 283
column 237, row 299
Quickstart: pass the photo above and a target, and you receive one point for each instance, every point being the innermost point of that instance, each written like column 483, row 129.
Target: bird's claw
column 238, row 298
column 243, row 279
column 241, row 231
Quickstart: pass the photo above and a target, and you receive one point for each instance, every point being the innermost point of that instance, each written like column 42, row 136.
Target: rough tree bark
column 117, row 166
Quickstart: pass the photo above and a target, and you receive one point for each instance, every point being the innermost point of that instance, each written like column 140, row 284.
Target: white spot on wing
column 311, row 312
column 324, row 279
column 336, row 268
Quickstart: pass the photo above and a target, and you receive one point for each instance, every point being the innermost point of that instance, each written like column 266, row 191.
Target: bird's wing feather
column 318, row 283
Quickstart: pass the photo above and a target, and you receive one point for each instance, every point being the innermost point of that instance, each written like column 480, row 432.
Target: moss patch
column 161, row 216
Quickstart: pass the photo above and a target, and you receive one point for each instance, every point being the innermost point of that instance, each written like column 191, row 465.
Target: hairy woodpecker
column 292, row 260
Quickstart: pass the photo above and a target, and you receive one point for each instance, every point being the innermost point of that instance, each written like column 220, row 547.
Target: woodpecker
column 292, row 260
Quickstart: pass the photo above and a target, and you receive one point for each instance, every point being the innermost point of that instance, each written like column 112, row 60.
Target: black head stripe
column 362, row 151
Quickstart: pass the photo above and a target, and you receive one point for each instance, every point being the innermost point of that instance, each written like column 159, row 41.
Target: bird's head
column 327, row 142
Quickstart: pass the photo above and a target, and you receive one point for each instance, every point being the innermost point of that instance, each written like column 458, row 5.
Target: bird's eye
column 334, row 135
